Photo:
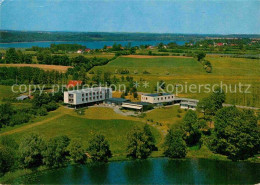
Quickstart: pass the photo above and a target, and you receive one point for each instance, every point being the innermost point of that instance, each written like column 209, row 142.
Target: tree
column 99, row 149
column 56, row 152
column 219, row 97
column 11, row 56
column 174, row 145
column 207, row 106
column 77, row 152
column 7, row 159
column 236, row 133
column 201, row 56
column 138, row 145
column 135, row 95
column 190, row 126
column 150, row 137
column 30, row 150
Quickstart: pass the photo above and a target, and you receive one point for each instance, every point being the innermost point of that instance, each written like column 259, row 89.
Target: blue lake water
column 91, row 45
column 151, row 171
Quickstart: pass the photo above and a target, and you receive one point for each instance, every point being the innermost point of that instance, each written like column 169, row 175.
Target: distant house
column 109, row 47
column 73, row 83
column 87, row 50
column 80, row 51
column 220, row 44
column 23, row 97
column 150, row 47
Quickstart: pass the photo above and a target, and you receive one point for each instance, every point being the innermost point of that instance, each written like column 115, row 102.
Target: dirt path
column 31, row 125
column 148, row 56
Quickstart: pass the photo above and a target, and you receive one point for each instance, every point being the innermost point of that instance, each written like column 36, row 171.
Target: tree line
column 41, row 105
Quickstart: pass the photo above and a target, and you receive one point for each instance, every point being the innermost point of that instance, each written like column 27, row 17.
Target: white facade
column 88, row 95
column 187, row 103
column 157, row 98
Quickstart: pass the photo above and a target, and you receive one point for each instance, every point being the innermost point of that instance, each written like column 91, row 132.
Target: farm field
column 41, row 66
column 187, row 71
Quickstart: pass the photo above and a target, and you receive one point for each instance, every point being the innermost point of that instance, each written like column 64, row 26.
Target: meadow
column 186, row 71
column 66, row 121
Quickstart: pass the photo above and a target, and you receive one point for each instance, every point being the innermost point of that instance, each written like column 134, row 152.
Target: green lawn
column 75, row 127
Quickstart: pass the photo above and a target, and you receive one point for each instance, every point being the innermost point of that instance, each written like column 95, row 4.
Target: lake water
column 152, row 171
column 91, row 45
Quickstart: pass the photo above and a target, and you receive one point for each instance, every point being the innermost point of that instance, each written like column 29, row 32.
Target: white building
column 186, row 103
column 157, row 98
column 87, row 96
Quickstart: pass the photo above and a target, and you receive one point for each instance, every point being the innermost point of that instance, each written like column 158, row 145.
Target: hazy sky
column 163, row 16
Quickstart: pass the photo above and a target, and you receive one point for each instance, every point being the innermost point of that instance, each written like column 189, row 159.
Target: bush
column 19, row 118
column 51, row 106
column 30, row 150
column 6, row 159
column 179, row 111
column 42, row 111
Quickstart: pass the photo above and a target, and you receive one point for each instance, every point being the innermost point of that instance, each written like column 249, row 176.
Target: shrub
column 42, row 111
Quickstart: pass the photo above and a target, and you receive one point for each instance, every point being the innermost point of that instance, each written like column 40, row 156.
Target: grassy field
column 95, row 120
column 187, row 71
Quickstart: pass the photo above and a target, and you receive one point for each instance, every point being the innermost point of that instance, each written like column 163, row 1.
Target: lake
column 151, row 171
column 91, row 44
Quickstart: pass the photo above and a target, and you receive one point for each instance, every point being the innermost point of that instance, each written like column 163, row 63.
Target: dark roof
column 117, row 100
column 139, row 103
column 157, row 94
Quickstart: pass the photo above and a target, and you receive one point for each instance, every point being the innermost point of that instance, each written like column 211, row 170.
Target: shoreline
column 9, row 177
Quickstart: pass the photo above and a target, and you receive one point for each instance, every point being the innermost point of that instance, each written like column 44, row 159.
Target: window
column 172, row 96
column 86, row 94
column 90, row 98
column 93, row 93
column 82, row 99
column 100, row 96
column 86, row 99
column 158, row 98
column 82, row 95
column 71, row 95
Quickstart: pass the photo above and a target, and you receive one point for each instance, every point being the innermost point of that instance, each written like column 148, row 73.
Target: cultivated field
column 41, row 66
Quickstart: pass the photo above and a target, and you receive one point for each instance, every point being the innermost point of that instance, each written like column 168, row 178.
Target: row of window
column 165, row 98
column 93, row 93
column 91, row 98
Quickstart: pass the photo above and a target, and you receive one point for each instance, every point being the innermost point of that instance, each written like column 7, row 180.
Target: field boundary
column 41, row 66
column 149, row 56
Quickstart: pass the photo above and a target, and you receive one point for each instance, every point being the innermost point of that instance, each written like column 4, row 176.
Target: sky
column 154, row 16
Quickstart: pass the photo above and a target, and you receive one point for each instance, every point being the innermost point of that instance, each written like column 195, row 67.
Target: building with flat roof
column 116, row 101
column 187, row 103
column 140, row 106
column 87, row 96
column 157, row 98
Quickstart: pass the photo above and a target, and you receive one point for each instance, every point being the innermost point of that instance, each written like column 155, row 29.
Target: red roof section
column 220, row 44
column 73, row 83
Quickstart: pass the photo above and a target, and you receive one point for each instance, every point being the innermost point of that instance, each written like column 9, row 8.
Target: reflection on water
column 151, row 171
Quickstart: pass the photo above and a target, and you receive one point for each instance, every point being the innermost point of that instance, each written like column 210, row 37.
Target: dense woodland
column 19, row 36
